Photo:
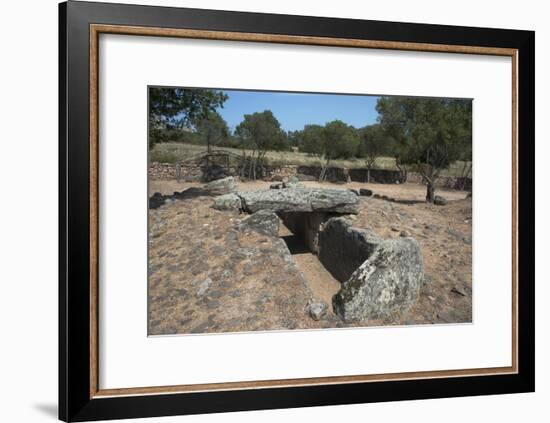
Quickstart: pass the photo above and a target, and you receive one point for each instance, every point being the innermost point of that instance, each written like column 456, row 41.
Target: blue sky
column 294, row 110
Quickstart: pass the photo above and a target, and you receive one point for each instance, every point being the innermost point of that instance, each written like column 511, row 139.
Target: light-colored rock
column 227, row 202
column 300, row 199
column 384, row 286
column 317, row 309
column 263, row 221
column 221, row 186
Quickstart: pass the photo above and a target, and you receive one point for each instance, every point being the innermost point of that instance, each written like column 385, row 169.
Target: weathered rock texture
column 221, row 186
column 306, row 225
column 384, row 286
column 263, row 221
column 300, row 199
column 343, row 248
column 227, row 202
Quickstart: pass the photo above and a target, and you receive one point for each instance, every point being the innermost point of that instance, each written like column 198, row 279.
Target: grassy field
column 171, row 152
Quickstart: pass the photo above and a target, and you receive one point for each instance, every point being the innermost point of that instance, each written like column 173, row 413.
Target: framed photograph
column 266, row 211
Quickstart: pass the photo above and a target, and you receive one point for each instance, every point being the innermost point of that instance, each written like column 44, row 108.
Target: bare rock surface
column 300, row 199
column 227, row 202
column 385, row 286
column 221, row 186
column 343, row 248
column 263, row 221
column 207, row 276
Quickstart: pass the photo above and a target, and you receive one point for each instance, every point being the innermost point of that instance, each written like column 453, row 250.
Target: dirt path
column 320, row 281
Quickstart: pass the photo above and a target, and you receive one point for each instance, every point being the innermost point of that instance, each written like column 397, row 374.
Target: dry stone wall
column 193, row 172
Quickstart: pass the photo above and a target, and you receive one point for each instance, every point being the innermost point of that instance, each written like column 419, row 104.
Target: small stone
column 203, row 287
column 440, row 201
column 456, row 291
column 317, row 310
column 278, row 185
column 365, row 192
column 404, row 233
column 212, row 304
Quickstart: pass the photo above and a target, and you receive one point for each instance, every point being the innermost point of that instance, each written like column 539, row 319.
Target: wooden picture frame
column 80, row 398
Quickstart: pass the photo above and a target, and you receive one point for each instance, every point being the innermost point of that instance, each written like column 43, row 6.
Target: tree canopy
column 313, row 139
column 261, row 131
column 372, row 144
column 213, row 130
column 171, row 107
column 429, row 133
column 340, row 140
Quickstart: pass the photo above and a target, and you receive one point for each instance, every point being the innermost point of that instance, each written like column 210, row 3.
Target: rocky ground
column 205, row 275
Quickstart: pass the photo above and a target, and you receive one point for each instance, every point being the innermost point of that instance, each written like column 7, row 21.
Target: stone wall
column 448, row 182
column 193, row 172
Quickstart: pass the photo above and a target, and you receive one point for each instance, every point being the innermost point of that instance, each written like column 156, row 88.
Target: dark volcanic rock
column 384, row 286
column 263, row 221
column 343, row 248
column 299, row 199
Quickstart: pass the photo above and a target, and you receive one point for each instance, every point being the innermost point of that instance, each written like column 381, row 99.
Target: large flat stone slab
column 301, row 199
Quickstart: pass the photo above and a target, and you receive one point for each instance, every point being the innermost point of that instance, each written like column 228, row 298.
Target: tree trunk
column 368, row 176
column 430, row 192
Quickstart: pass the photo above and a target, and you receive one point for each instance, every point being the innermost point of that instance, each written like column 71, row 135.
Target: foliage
column 171, row 108
column 340, row 141
column 261, row 132
column 313, row 140
column 372, row 144
column 213, row 130
column 429, row 134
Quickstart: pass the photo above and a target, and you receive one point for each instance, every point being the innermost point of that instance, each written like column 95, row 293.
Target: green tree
column 260, row 132
column 429, row 134
column 179, row 107
column 339, row 141
column 313, row 140
column 213, row 130
column 372, row 144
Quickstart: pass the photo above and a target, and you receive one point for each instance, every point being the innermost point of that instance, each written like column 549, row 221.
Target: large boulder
column 384, row 286
column 227, row 202
column 263, row 221
column 221, row 186
column 343, row 248
column 300, row 199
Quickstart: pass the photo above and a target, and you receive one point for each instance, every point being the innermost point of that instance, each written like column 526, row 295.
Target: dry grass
column 171, row 152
